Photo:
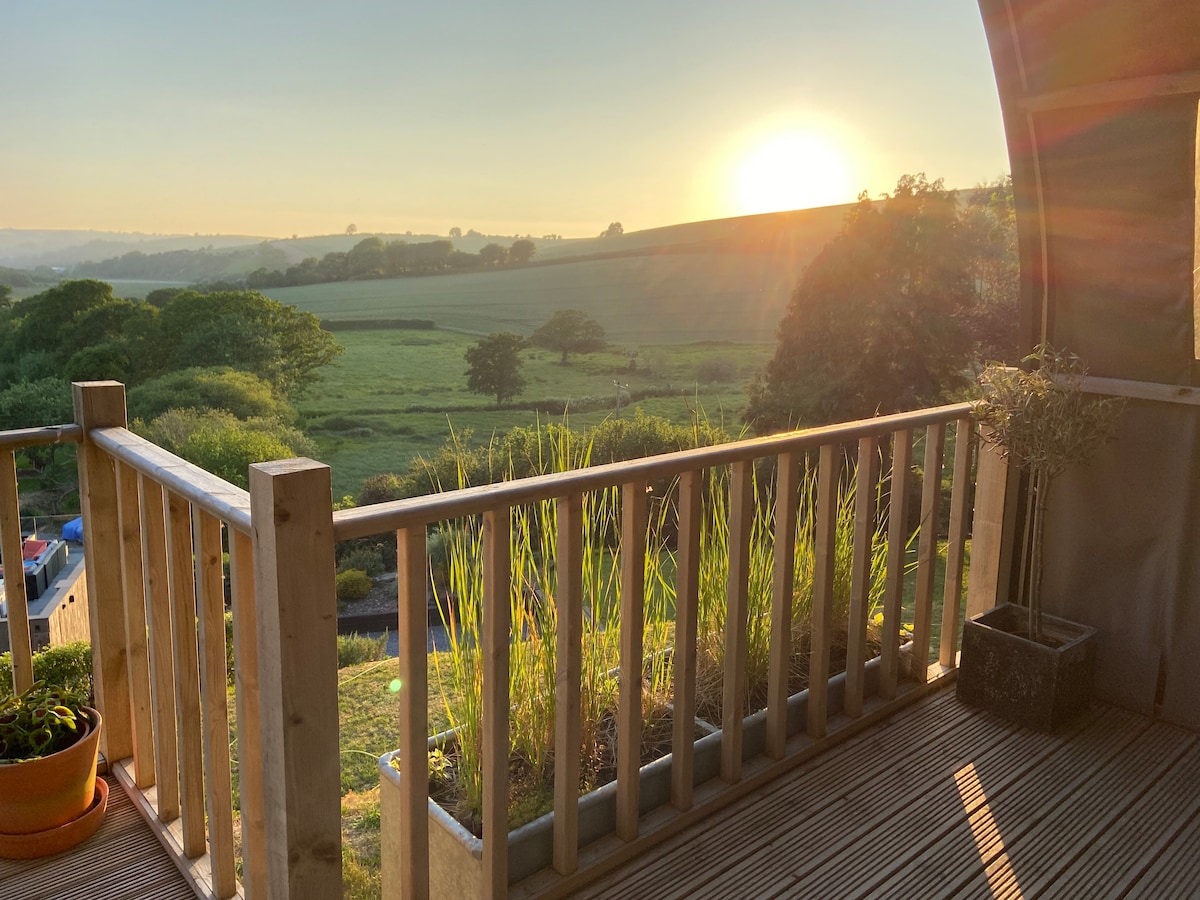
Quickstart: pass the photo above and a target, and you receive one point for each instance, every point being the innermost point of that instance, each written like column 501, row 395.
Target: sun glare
column 792, row 170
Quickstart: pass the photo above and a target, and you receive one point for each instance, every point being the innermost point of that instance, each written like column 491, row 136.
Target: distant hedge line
column 378, row 324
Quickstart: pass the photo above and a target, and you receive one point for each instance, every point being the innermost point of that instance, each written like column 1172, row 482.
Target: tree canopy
column 880, row 321
column 569, row 331
column 494, row 366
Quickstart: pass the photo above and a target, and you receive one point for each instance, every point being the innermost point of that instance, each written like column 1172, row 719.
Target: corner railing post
column 292, row 520
column 101, row 404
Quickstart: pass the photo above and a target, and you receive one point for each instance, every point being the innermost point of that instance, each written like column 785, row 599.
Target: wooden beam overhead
column 1124, row 91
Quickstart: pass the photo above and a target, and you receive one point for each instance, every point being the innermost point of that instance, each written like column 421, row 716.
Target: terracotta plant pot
column 43, row 795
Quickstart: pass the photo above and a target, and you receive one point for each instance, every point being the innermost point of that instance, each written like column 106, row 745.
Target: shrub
column 67, row 666
column 379, row 489
column 355, row 648
column 364, row 557
column 353, row 584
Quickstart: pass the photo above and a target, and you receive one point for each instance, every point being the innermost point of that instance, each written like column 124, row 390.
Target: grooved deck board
column 943, row 800
column 121, row 861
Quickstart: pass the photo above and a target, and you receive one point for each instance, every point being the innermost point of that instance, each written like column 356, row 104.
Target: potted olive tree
column 50, row 798
column 1017, row 661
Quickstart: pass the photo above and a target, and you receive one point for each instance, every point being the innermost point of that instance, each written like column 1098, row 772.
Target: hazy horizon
column 274, row 119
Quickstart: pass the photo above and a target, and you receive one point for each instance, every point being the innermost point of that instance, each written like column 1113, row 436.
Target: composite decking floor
column 942, row 800
column 121, row 861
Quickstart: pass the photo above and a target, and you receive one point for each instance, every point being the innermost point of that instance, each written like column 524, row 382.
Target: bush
column 353, row 584
column 354, row 649
column 68, row 666
column 364, row 557
column 379, row 489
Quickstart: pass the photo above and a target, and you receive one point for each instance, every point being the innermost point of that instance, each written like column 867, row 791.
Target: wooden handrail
column 377, row 518
column 201, row 489
column 45, row 435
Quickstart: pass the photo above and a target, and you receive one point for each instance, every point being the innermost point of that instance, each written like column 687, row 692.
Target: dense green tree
column 494, row 366
column 29, row 404
column 246, row 331
column 45, row 318
column 522, row 251
column 365, row 259
column 98, row 362
column 241, row 394
column 332, row 267
column 989, row 220
column 615, row 229
column 493, row 255
column 456, row 232
column 6, row 300
column 569, row 331
column 879, row 321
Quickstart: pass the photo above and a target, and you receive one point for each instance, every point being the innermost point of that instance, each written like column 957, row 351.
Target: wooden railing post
column 10, row 535
column 992, row 531
column 101, row 404
column 292, row 517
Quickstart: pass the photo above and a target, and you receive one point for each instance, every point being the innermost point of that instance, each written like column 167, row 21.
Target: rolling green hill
column 729, row 280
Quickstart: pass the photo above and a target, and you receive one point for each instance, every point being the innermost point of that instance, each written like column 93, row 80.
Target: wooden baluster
column 101, row 404
column 15, row 599
column 187, row 673
column 683, row 659
column 782, row 599
column 292, row 513
column 569, row 670
column 956, row 548
column 733, row 691
column 133, row 581
column 249, row 716
column 927, row 550
column 497, row 615
column 157, row 588
column 412, row 567
column 218, row 788
column 897, row 551
column 866, row 479
column 829, row 473
column 629, row 704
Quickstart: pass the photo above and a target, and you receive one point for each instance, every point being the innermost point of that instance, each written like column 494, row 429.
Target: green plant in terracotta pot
column 50, row 798
column 1041, row 420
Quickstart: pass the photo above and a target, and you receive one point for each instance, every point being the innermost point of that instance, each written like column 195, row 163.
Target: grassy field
column 361, row 413
column 670, row 298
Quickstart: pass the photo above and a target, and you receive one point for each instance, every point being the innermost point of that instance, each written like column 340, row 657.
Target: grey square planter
column 1032, row 684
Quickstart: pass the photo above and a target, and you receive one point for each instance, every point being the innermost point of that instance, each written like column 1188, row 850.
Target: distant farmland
column 727, row 280
column 654, row 299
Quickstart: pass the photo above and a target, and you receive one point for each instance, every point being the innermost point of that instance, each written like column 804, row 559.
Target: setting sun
column 793, row 170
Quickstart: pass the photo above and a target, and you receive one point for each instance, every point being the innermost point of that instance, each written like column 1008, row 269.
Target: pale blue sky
column 276, row 118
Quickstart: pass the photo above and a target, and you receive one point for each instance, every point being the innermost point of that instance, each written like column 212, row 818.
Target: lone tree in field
column 495, row 366
column 569, row 331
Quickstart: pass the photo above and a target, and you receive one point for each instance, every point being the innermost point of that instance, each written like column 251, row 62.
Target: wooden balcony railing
column 155, row 529
column 893, row 435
